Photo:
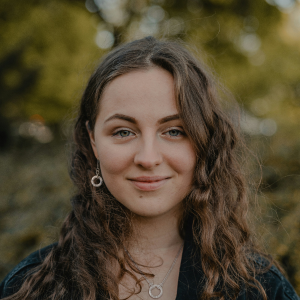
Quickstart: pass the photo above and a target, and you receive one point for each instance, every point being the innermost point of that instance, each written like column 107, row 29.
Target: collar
column 191, row 276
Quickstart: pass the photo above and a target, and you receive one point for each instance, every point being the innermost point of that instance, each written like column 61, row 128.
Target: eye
column 123, row 133
column 175, row 132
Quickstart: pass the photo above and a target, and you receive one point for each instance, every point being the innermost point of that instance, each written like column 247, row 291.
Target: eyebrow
column 133, row 120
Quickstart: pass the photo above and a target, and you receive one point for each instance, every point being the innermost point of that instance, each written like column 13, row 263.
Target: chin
column 148, row 214
column 152, row 210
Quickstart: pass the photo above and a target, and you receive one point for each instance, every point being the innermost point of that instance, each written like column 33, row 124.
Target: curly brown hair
column 94, row 232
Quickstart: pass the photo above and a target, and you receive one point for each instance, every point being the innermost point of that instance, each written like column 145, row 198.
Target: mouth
column 149, row 183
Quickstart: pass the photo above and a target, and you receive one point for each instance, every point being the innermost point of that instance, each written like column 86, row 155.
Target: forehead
column 140, row 94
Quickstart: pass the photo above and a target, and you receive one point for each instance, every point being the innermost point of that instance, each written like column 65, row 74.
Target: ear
column 92, row 139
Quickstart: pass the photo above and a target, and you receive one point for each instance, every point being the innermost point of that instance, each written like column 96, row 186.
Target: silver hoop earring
column 97, row 176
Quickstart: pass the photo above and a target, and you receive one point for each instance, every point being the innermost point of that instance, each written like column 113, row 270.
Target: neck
column 155, row 235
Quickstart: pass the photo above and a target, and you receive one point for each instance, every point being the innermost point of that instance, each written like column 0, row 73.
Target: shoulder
column 14, row 279
column 276, row 286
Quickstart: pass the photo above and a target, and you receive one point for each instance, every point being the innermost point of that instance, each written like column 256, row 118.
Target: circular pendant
column 97, row 177
column 155, row 286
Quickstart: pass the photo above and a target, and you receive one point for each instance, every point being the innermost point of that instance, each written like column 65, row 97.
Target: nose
column 148, row 154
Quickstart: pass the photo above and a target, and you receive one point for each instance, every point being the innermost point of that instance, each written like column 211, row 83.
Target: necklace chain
column 152, row 285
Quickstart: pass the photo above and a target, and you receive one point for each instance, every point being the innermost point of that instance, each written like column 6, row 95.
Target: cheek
column 113, row 160
column 183, row 160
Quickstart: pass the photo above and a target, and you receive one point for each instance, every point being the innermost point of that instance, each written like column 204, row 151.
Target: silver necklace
column 152, row 285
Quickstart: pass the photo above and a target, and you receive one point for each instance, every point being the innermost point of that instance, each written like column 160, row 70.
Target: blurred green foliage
column 49, row 48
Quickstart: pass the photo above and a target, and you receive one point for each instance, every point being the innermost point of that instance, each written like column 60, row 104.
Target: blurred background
column 49, row 49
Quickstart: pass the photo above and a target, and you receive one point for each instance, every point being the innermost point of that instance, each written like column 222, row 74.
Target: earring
column 97, row 177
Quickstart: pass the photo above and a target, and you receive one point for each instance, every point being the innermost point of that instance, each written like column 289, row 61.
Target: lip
column 149, row 183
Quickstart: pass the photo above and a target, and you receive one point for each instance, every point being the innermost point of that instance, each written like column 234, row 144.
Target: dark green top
column 190, row 281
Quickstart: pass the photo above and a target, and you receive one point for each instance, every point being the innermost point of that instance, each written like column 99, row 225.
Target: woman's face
column 146, row 160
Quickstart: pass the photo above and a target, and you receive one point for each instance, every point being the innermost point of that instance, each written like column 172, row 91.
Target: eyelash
column 118, row 133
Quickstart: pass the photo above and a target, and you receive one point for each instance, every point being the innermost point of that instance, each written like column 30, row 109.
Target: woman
column 161, row 208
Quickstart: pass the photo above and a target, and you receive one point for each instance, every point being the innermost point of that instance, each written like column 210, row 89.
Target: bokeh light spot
column 268, row 127
column 104, row 39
